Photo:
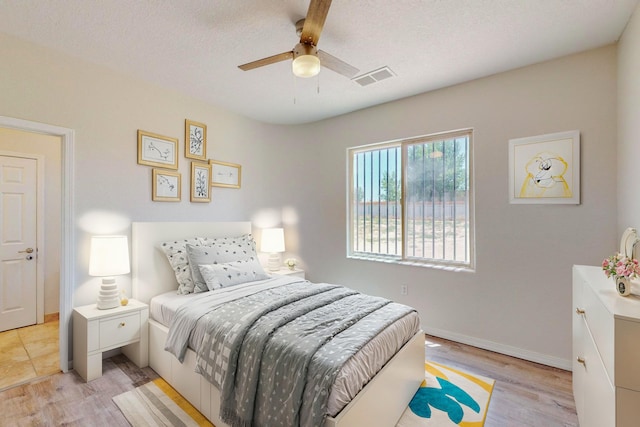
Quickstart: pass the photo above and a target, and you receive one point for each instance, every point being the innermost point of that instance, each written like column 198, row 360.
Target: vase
column 623, row 286
column 292, row 267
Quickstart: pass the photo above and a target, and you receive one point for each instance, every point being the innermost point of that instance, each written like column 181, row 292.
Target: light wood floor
column 525, row 393
column 66, row 400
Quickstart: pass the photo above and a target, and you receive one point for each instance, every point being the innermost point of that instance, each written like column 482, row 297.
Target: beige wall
column 106, row 109
column 629, row 126
column 519, row 299
column 49, row 148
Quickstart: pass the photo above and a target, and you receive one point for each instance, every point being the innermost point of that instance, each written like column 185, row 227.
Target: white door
column 18, row 186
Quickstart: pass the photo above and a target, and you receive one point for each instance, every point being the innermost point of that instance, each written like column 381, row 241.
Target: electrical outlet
column 404, row 290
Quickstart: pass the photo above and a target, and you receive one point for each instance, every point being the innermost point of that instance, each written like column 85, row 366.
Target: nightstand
column 96, row 331
column 285, row 271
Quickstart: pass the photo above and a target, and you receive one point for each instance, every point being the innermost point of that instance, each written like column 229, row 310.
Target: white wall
column 519, row 299
column 106, row 109
column 629, row 125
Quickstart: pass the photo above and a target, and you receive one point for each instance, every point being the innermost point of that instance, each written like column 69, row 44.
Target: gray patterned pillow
column 176, row 253
column 232, row 273
column 216, row 251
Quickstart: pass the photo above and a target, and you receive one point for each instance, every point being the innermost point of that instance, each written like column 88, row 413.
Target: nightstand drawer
column 119, row 330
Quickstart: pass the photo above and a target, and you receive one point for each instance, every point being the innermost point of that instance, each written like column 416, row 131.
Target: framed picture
column 224, row 174
column 166, row 186
column 545, row 168
column 195, row 140
column 157, row 150
column 200, row 176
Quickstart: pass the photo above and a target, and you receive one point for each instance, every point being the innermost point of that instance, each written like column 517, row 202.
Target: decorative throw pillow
column 244, row 244
column 216, row 251
column 176, row 253
column 232, row 273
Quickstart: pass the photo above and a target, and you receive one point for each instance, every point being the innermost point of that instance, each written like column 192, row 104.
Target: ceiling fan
column 307, row 59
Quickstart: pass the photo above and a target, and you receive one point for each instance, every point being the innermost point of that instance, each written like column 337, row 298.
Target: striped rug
column 158, row 404
column 448, row 397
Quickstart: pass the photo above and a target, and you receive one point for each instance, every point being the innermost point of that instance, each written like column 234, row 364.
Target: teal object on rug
column 448, row 397
column 445, row 398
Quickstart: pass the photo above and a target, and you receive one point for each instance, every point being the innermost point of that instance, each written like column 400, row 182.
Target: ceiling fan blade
column 337, row 65
column 313, row 23
column 266, row 61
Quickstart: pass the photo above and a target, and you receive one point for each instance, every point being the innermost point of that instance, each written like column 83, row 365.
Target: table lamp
column 109, row 256
column 273, row 242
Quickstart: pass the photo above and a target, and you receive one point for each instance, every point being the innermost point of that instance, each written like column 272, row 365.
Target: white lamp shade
column 306, row 66
column 109, row 256
column 272, row 240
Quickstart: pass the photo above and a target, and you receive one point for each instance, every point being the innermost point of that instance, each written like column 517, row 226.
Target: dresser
column 606, row 351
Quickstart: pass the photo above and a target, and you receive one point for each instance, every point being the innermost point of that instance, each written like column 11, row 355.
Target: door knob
column 28, row 250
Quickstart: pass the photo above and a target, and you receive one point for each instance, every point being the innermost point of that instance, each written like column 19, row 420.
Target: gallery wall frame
column 545, row 169
column 166, row 186
column 225, row 174
column 195, row 140
column 157, row 150
column 200, row 182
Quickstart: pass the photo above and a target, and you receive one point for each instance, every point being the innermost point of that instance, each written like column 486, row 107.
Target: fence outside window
column 411, row 200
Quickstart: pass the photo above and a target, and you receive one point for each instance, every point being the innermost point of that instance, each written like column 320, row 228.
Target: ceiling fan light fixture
column 305, row 61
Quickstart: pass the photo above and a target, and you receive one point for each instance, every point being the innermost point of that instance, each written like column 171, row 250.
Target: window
column 410, row 201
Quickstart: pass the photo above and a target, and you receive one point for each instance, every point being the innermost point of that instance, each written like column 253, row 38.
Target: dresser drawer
column 599, row 405
column 627, row 351
column 628, row 410
column 117, row 331
column 601, row 325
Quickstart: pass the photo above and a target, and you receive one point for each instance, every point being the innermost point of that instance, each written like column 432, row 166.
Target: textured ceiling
column 195, row 46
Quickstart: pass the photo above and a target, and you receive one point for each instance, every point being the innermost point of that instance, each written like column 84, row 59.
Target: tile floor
column 29, row 352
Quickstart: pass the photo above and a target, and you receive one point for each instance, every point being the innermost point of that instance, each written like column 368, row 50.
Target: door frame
column 40, row 244
column 67, row 232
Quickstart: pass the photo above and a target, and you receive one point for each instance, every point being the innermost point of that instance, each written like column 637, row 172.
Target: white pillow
column 216, row 251
column 243, row 243
column 232, row 273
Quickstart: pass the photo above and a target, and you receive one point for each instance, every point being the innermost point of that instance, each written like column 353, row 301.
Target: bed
column 381, row 402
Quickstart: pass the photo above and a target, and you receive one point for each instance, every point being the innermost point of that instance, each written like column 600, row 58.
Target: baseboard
column 520, row 353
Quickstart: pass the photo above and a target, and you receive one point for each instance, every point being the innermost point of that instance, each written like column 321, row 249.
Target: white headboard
column 151, row 272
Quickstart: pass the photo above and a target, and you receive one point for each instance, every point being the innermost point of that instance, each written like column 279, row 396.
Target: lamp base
column 274, row 261
column 108, row 296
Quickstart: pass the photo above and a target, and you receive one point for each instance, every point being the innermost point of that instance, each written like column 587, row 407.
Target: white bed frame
column 380, row 403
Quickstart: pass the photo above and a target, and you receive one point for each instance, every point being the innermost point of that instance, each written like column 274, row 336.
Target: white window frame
column 403, row 257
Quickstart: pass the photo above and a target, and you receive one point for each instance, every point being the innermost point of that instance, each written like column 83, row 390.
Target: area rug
column 447, row 397
column 158, row 404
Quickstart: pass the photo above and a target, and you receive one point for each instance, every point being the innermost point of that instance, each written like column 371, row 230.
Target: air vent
column 374, row 76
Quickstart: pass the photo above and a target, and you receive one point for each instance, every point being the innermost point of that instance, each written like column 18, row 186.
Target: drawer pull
column 581, row 361
column 121, row 324
column 579, row 310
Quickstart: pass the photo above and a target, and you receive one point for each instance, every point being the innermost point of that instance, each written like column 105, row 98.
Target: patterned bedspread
column 272, row 356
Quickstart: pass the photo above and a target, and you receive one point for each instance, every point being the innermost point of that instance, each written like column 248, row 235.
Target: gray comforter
column 271, row 353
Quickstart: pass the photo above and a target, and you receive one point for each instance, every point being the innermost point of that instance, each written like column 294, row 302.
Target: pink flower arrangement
column 619, row 265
